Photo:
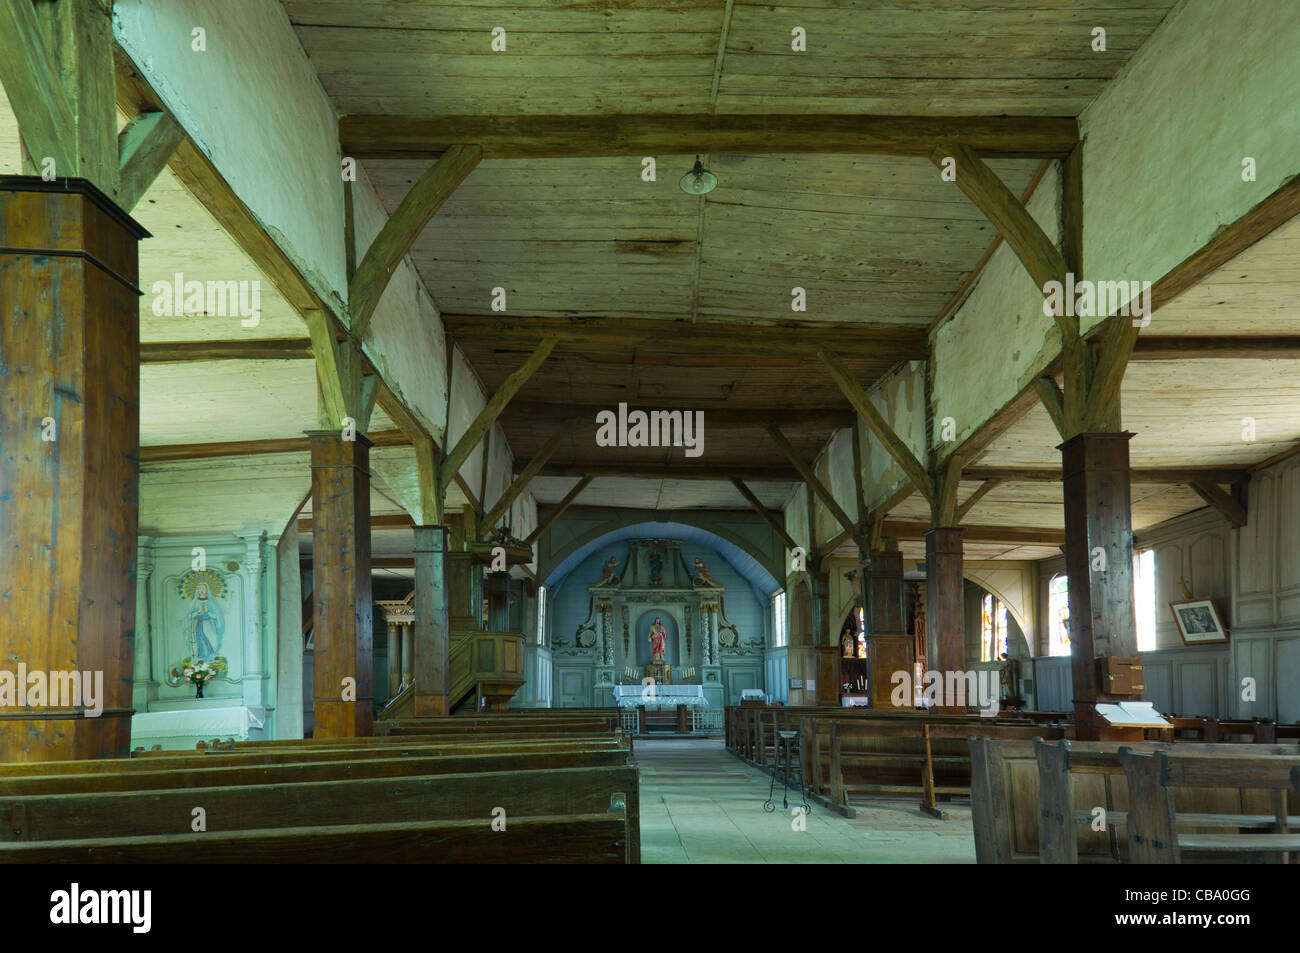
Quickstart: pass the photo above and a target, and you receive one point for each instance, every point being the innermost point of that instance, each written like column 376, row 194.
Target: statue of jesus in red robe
column 658, row 639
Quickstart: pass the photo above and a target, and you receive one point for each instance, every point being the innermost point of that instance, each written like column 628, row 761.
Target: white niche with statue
column 205, row 659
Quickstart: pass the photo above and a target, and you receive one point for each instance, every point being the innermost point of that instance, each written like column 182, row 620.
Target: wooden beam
column 401, row 230
column 1041, row 258
column 144, row 147
column 1149, row 348
column 1108, row 373
column 642, row 134
column 673, row 471
column 189, row 352
column 883, row 342
column 432, row 493
column 814, row 484
column 558, row 511
column 244, row 448
column 1229, row 508
column 763, row 511
column 859, row 494
column 944, row 505
column 1012, row 535
column 377, row 521
column 980, row 492
column 1144, row 475
column 1053, row 402
column 964, row 289
column 329, row 367
column 861, row 402
column 731, row 418
column 452, row 463
column 30, row 76
column 520, row 482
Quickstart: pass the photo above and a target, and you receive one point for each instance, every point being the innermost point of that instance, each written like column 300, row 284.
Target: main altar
column 656, row 629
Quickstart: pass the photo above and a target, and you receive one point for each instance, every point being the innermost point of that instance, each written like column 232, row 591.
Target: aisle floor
column 701, row 805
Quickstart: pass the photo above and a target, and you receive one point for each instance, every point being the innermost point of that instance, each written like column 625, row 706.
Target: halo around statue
column 190, row 583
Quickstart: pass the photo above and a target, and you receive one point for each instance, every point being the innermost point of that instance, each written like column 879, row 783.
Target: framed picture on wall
column 1198, row 621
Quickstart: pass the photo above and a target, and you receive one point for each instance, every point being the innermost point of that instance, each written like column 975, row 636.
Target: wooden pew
column 1153, row 823
column 1005, row 795
column 1061, row 765
column 579, row 838
column 112, row 778
column 255, row 784
column 548, row 792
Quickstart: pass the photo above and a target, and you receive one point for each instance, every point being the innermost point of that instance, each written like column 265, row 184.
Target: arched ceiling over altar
column 750, row 569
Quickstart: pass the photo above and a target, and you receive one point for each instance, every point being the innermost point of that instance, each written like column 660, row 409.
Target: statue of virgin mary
column 204, row 624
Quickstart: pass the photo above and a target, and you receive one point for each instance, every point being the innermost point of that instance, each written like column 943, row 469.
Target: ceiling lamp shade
column 699, row 181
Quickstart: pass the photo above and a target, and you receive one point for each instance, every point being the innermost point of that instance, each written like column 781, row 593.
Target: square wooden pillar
column 432, row 628
column 69, row 462
column 889, row 645
column 342, row 606
column 945, row 619
column 1098, row 565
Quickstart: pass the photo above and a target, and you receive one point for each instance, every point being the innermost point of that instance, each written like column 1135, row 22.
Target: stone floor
column 700, row 805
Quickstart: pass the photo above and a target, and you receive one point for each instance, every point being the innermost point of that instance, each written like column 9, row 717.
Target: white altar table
column 630, row 696
column 185, row 729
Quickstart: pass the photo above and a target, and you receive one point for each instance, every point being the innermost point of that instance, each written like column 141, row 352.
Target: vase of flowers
column 201, row 671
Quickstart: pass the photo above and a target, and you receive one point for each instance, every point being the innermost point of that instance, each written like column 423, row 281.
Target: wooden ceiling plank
column 556, row 136
column 980, row 492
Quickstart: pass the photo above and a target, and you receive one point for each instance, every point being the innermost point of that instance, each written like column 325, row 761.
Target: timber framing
column 450, row 465
column 244, row 448
column 815, row 485
column 857, row 396
column 721, row 417
column 520, row 483
column 190, row 352
column 891, row 342
column 555, row 513
column 555, row 137
column 668, row 471
column 195, row 171
column 401, row 230
column 1146, row 475
column 768, row 518
column 1011, row 535
column 144, row 147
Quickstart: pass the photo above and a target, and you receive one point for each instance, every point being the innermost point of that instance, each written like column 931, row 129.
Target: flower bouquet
column 201, row 671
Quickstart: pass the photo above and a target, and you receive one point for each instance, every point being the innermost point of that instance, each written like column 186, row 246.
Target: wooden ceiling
column 904, row 57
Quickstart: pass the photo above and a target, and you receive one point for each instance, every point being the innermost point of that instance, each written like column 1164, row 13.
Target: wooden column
column 432, row 623
column 408, row 654
column 889, row 645
column 69, row 460
column 1098, row 564
column 944, row 609
column 394, row 659
column 342, row 607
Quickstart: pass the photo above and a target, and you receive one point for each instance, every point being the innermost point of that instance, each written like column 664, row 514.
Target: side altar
column 652, row 617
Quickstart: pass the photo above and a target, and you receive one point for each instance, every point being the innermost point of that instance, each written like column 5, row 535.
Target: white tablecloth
column 184, row 729
column 629, row 696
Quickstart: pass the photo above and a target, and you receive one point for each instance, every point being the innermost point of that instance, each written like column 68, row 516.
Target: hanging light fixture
column 699, row 181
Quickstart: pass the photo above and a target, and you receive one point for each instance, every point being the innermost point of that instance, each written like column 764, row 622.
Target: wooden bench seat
column 579, row 838
column 138, row 813
column 1153, row 823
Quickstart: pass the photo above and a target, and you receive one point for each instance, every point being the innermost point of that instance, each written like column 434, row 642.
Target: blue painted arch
column 749, row 568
